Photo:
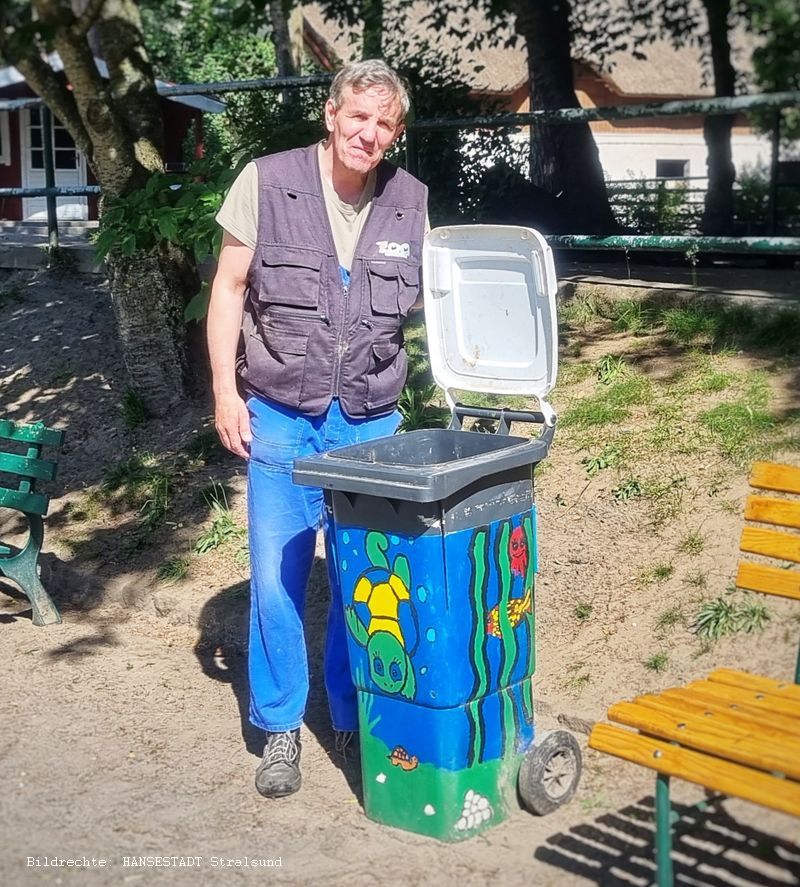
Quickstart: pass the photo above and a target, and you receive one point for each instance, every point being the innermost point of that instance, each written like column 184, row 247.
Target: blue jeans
column 283, row 519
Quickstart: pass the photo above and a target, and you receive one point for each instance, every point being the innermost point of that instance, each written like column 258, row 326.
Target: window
column 64, row 154
column 672, row 169
column 5, row 144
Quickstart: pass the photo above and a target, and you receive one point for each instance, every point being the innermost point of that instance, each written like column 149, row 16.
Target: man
column 318, row 268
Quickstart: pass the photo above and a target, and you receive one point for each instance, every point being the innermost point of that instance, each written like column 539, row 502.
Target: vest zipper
column 340, row 344
column 296, row 315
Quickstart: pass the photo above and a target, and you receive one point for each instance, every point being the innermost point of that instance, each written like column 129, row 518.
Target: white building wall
column 634, row 155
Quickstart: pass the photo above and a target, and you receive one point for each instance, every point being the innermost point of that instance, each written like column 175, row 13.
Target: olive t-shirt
column 238, row 214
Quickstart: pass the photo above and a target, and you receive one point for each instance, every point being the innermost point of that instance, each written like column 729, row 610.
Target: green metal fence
column 566, row 116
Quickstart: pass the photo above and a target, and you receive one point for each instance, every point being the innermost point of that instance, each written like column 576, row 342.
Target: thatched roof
column 666, row 71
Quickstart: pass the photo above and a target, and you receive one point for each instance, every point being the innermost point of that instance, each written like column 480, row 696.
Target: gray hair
column 368, row 73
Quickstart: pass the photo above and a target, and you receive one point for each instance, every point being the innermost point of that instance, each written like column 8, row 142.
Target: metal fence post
column 49, row 177
column 772, row 222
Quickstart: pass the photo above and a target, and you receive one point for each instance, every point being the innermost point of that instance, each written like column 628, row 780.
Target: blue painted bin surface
column 434, row 541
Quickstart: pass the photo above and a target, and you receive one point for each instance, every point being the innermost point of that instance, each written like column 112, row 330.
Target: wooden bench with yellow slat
column 783, row 546
column 734, row 733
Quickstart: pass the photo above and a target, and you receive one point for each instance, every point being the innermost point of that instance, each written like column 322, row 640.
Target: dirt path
column 123, row 728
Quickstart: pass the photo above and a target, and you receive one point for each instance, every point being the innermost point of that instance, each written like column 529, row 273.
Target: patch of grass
column 723, row 616
column 204, row 447
column 632, row 316
column 688, row 323
column 669, row 618
column 743, row 428
column 152, row 513
column 223, row 527
column 610, row 405
column 215, row 494
column 132, row 409
column 583, row 611
column 88, row 508
column 574, row 373
column 241, row 556
column 666, row 498
column 418, row 409
column 594, row 803
column 692, row 543
column 598, row 462
column 139, row 482
column 629, row 489
column 590, row 411
column 584, row 310
column 416, row 347
column 173, row 570
column 610, row 368
column 696, row 580
column 753, row 616
column 576, row 681
column 657, row 662
column 131, row 478
column 657, row 573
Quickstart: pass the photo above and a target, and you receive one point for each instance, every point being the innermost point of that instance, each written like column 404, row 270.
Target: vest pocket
column 284, row 363
column 384, row 290
column 386, row 373
column 393, row 289
column 409, row 290
column 290, row 278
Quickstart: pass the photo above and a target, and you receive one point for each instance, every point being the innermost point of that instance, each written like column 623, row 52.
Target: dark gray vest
column 306, row 337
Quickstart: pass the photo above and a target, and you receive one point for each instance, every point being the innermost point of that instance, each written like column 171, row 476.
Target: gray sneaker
column 278, row 774
column 346, row 744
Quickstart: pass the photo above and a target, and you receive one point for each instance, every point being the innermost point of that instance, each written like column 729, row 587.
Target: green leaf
column 197, row 307
column 128, row 245
column 167, row 224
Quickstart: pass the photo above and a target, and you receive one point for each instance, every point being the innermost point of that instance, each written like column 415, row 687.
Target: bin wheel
column 550, row 772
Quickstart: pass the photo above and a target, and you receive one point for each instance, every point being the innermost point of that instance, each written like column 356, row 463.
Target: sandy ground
column 124, row 728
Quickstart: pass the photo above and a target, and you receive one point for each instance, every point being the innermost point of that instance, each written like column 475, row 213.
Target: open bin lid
column 490, row 311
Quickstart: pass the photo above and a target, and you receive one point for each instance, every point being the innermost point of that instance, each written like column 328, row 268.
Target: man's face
column 363, row 127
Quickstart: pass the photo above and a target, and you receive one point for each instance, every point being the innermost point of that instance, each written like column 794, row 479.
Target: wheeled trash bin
column 434, row 540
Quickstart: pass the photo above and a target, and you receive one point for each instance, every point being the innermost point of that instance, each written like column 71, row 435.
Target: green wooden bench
column 21, row 565
column 734, row 733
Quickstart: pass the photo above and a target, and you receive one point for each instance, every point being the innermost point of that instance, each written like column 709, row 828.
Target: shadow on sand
column 222, row 653
column 710, row 849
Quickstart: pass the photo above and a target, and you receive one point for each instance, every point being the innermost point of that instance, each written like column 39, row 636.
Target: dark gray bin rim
column 339, row 470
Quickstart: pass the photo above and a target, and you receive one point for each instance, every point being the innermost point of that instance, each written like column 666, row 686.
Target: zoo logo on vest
column 393, row 250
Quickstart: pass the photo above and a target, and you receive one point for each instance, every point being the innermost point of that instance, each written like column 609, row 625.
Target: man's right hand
column 232, row 422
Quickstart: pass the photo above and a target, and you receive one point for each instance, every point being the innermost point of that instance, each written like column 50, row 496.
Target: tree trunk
column 116, row 122
column 718, row 210
column 148, row 292
column 564, row 159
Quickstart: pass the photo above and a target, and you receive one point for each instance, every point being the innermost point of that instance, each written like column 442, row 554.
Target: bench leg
column 45, row 611
column 22, row 569
column 664, row 874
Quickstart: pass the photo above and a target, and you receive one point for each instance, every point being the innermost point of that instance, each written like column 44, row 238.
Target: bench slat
column 697, row 767
column 771, row 543
column 768, row 580
column 716, row 702
column 740, row 743
column 756, row 683
column 41, row 469
column 780, row 512
column 35, row 503
column 732, row 696
column 38, row 433
column 774, row 476
column 778, row 728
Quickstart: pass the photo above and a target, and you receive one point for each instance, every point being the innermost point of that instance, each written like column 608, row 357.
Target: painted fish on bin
column 516, row 608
